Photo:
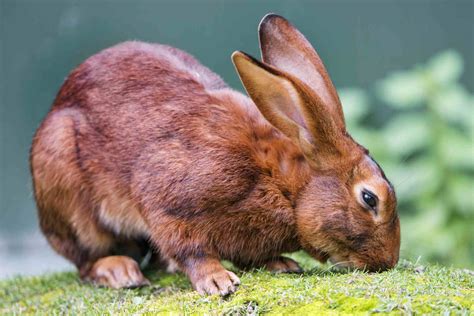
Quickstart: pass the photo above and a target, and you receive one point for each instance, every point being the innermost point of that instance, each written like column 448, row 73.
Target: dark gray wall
column 41, row 41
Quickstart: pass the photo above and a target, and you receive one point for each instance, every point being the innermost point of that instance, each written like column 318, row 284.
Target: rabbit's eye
column 369, row 199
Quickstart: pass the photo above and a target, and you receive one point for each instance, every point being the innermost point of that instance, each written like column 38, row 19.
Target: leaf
column 407, row 133
column 436, row 213
column 456, row 149
column 445, row 67
column 372, row 140
column 454, row 104
column 422, row 230
column 414, row 180
column 355, row 103
column 461, row 191
column 469, row 120
column 403, row 89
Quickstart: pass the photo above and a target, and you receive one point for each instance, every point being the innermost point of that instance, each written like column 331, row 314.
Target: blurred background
column 404, row 70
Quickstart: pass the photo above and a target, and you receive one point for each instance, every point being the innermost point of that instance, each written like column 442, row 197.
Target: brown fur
column 145, row 143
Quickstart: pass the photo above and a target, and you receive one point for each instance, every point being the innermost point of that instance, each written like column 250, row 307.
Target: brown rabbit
column 144, row 145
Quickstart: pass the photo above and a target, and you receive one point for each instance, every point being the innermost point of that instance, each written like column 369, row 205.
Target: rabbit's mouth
column 353, row 263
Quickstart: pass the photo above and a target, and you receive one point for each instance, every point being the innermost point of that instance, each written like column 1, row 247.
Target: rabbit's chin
column 347, row 263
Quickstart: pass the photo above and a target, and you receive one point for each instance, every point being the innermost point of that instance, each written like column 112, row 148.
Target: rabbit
column 145, row 148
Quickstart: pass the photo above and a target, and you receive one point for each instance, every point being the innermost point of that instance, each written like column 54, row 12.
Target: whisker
column 404, row 180
column 334, row 265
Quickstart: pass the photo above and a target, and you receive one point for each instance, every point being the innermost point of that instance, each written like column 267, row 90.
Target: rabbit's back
column 136, row 80
column 137, row 96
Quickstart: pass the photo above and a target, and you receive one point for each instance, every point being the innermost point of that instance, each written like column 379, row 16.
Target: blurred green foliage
column 419, row 125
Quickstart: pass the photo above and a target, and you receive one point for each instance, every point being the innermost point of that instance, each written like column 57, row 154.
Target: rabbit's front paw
column 117, row 272
column 220, row 282
column 283, row 265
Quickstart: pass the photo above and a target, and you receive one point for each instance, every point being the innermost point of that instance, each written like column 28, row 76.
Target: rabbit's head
column 347, row 211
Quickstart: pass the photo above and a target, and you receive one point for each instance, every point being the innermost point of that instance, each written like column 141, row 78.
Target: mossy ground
column 410, row 288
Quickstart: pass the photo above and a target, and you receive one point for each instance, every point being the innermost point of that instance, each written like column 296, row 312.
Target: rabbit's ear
column 290, row 106
column 285, row 48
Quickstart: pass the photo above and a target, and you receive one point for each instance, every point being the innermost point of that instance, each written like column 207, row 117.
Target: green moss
column 404, row 290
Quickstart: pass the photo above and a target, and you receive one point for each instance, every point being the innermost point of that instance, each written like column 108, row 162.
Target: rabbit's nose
column 392, row 260
column 389, row 262
column 383, row 265
column 380, row 267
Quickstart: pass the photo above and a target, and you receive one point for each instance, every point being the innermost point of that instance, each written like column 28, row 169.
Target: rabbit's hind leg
column 66, row 207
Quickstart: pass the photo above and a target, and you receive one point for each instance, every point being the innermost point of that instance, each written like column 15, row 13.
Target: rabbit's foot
column 222, row 282
column 116, row 272
column 283, row 265
column 210, row 277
